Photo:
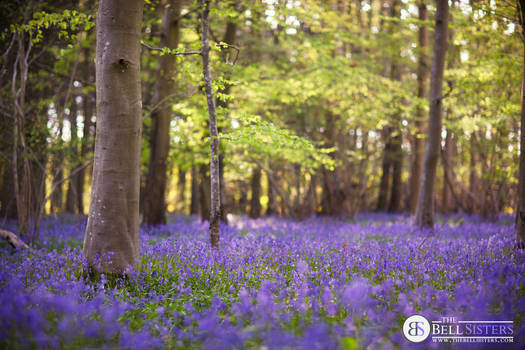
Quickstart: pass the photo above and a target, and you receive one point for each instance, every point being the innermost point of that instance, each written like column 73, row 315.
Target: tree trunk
column 215, row 212
column 397, row 137
column 155, row 191
column 86, row 145
column 58, row 175
column 397, row 168
column 447, row 159
column 204, row 193
column 229, row 38
column 384, row 184
column 182, row 189
column 473, row 178
column 195, row 196
column 310, row 201
column 255, row 203
column 425, row 206
column 113, row 222
column 271, row 207
column 520, row 217
column 71, row 194
column 7, row 195
column 418, row 141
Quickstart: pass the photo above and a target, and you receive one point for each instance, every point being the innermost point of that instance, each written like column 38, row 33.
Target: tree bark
column 255, row 202
column 215, row 212
column 155, row 191
column 520, row 216
column 86, row 145
column 7, row 195
column 71, row 194
column 447, row 159
column 271, row 207
column 418, row 142
column 384, row 184
column 425, row 207
column 397, row 136
column 14, row 240
column 182, row 189
column 195, row 196
column 111, row 240
column 229, row 38
column 473, row 178
column 204, row 193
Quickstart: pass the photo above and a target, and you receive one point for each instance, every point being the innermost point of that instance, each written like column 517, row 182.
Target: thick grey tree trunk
column 113, row 221
column 215, row 210
column 425, row 206
column 155, row 191
column 418, row 144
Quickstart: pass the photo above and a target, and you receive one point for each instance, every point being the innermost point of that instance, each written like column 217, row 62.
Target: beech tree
column 113, row 223
column 418, row 144
column 155, row 192
column 520, row 217
column 425, row 206
column 215, row 208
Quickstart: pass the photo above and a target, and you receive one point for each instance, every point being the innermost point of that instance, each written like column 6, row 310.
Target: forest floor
column 274, row 283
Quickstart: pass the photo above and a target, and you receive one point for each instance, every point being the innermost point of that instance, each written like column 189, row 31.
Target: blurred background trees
column 321, row 105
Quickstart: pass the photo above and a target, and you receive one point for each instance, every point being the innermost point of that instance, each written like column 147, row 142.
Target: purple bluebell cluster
column 274, row 283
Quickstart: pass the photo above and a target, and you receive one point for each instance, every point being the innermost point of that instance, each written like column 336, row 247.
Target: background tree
column 520, row 217
column 155, row 191
column 215, row 208
column 425, row 206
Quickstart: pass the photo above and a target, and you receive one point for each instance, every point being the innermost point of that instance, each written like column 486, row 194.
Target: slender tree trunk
column 155, row 191
column 447, row 159
column 272, row 206
column 473, row 178
column 182, row 189
column 57, row 204
column 418, row 145
column 71, row 194
column 229, row 38
column 520, row 217
column 255, row 202
column 397, row 168
column 204, row 193
column 310, row 205
column 397, row 136
column 425, row 206
column 113, row 222
column 195, row 196
column 384, row 184
column 86, row 145
column 215, row 212
column 7, row 196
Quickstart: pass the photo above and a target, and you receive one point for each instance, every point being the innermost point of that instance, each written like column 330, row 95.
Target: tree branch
column 187, row 53
column 14, row 241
